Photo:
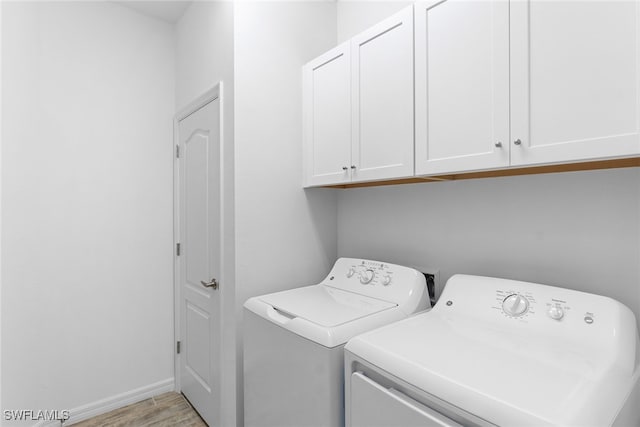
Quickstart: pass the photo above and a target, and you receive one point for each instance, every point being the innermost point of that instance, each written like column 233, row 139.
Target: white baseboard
column 102, row 406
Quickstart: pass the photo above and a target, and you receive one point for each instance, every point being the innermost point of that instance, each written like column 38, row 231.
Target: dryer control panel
column 389, row 282
column 539, row 315
column 546, row 301
column 523, row 304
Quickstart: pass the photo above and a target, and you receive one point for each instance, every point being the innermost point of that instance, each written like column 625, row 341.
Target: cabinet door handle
column 498, row 144
column 353, row 166
column 517, row 142
column 344, row 168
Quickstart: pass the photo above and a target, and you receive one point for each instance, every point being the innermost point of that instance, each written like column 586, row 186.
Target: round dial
column 366, row 276
column 515, row 305
column 556, row 312
column 351, row 272
column 386, row 280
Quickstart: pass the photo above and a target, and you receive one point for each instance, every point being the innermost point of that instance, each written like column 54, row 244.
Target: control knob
column 351, row 272
column 515, row 305
column 555, row 312
column 386, row 280
column 366, row 276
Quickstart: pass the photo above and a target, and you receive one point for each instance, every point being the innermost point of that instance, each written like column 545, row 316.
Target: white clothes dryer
column 495, row 352
column 294, row 339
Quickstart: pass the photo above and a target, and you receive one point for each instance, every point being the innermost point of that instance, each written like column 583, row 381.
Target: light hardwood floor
column 165, row 410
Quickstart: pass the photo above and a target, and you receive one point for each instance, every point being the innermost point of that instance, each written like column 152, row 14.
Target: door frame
column 216, row 92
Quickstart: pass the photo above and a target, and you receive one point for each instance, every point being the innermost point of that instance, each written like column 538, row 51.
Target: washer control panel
column 382, row 280
column 371, row 272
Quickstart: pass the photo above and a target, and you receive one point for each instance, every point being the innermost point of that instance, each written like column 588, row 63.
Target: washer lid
column 323, row 314
column 324, row 305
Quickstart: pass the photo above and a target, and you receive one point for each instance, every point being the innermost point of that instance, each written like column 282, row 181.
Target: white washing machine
column 496, row 352
column 293, row 340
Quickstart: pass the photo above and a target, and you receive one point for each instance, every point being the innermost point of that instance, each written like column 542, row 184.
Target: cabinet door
column 382, row 93
column 327, row 118
column 574, row 80
column 462, row 85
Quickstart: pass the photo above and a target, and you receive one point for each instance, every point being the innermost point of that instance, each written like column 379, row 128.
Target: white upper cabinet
column 327, row 118
column 462, row 85
column 382, row 99
column 493, row 83
column 574, row 80
column 358, row 107
column 525, row 82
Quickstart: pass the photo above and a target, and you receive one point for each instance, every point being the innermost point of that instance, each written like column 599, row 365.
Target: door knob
column 517, row 142
column 498, row 144
column 212, row 284
column 344, row 168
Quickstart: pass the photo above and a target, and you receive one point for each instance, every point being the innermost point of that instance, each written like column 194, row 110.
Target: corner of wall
column 285, row 235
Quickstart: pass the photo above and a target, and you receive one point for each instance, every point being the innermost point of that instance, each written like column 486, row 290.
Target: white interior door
column 199, row 259
column 462, row 85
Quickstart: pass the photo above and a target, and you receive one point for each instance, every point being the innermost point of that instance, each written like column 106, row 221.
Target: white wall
column 204, row 51
column 204, row 57
column 285, row 236
column 86, row 203
column 578, row 230
column 355, row 16
column 1, row 120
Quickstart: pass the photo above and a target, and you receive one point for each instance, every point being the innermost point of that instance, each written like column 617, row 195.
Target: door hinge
column 177, row 151
column 177, row 249
column 178, row 347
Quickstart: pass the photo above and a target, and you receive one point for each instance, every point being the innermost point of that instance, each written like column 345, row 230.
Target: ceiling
column 170, row 11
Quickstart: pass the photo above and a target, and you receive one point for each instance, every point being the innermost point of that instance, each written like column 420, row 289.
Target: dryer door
column 373, row 405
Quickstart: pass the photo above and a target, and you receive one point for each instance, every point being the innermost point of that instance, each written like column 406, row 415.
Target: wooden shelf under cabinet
column 531, row 170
